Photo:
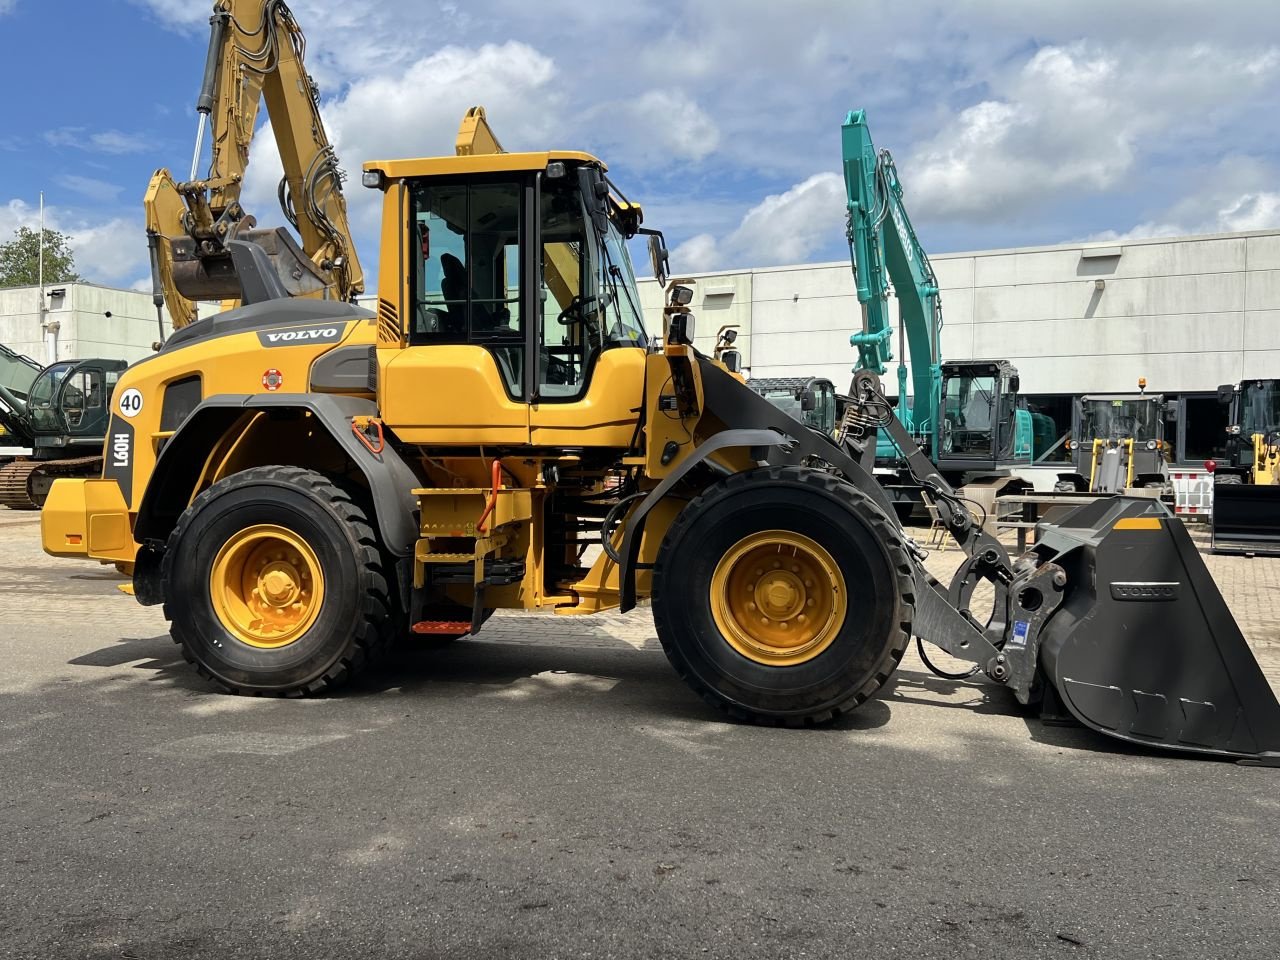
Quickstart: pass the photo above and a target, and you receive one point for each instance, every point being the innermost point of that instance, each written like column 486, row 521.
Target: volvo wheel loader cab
column 303, row 480
column 1246, row 492
column 63, row 419
column 1119, row 444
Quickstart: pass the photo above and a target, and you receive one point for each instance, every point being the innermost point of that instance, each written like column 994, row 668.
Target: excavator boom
column 197, row 228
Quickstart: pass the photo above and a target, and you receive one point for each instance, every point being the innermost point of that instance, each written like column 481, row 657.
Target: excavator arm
column 881, row 256
column 197, row 228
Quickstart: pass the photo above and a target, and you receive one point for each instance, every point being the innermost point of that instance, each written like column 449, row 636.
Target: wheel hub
column 266, row 585
column 778, row 598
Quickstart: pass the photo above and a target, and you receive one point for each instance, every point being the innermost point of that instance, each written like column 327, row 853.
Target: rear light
column 1211, row 465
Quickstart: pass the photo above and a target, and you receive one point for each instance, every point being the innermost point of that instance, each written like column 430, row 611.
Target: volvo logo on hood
column 331, row 333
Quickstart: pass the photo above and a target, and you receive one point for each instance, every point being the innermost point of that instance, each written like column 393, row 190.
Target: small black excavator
column 61, row 416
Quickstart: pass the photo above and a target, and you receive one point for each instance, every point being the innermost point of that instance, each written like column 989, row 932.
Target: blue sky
column 1013, row 122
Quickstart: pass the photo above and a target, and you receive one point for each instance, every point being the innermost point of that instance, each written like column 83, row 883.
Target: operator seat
column 453, row 286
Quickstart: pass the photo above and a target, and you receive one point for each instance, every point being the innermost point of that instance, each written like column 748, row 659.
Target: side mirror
column 659, row 259
column 1226, row 393
column 732, row 360
column 1171, row 411
column 807, row 400
column 1015, row 382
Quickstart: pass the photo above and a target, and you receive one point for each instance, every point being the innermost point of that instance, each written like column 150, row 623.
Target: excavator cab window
column 82, row 392
column 45, row 393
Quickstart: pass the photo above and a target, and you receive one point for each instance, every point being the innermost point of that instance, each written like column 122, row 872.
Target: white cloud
column 103, row 141
column 108, row 251
column 1237, row 194
column 655, row 128
column 90, row 187
column 783, row 228
column 1249, row 211
column 1079, row 119
column 179, row 13
column 385, row 117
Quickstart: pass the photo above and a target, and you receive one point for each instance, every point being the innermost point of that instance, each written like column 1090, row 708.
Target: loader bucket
column 1142, row 646
column 1246, row 518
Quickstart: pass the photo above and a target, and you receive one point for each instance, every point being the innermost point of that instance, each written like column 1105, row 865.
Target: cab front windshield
column 43, row 397
column 1118, row 419
column 1261, row 408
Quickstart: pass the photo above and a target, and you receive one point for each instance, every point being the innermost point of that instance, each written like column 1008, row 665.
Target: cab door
column 461, row 377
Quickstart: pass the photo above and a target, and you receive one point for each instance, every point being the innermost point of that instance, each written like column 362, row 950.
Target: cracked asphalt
column 555, row 791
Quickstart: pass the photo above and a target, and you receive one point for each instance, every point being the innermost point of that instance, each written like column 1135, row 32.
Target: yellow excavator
column 298, row 481
column 197, row 230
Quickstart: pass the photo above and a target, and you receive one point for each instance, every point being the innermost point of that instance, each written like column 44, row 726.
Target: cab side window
column 466, row 270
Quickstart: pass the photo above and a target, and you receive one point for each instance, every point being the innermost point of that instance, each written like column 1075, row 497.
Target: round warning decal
column 131, row 402
column 272, row 379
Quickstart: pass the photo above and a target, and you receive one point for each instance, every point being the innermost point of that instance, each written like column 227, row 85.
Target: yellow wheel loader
column 298, row 481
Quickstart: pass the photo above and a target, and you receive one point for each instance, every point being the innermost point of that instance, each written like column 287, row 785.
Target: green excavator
column 964, row 414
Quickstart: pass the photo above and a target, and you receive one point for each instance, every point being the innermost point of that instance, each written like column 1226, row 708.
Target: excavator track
column 22, row 484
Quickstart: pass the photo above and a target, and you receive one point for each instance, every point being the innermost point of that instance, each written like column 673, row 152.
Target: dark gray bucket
column 1143, row 647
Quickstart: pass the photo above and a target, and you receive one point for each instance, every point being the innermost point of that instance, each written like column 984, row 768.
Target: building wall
column 1187, row 313
column 84, row 329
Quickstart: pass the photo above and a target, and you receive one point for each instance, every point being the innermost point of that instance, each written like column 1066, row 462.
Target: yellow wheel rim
column 778, row 598
column 266, row 586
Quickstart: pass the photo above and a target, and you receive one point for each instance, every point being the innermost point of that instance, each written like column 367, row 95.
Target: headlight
column 1151, row 444
column 1234, row 428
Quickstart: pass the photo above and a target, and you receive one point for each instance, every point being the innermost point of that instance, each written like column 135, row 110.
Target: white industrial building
column 79, row 320
column 1186, row 313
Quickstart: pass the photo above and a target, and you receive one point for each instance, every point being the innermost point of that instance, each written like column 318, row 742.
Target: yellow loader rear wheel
column 783, row 596
column 274, row 584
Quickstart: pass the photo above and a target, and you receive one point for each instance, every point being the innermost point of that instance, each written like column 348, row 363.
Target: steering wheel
column 573, row 313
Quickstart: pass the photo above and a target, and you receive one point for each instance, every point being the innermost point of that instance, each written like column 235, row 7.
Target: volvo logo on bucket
column 1145, row 591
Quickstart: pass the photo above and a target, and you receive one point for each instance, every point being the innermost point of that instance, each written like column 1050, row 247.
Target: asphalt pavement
column 558, row 792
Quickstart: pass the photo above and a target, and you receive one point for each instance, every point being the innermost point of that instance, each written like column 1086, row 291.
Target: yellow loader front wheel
column 274, row 583
column 783, row 595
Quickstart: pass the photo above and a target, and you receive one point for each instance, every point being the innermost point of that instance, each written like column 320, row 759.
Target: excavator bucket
column 1246, row 518
column 1142, row 645
column 239, row 273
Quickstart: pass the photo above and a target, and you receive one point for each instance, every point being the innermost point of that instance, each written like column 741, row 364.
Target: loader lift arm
column 256, row 52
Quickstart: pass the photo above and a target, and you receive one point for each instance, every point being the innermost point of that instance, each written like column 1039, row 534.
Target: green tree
column 20, row 259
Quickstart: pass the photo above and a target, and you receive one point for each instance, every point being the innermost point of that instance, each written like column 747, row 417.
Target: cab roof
column 478, row 163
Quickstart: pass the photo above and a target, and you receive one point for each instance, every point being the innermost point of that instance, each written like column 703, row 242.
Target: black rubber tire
column 865, row 544
column 354, row 622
